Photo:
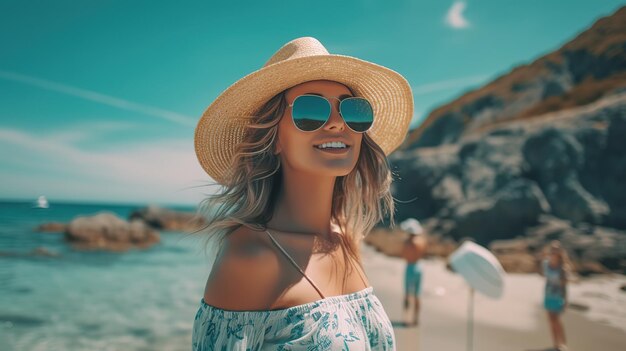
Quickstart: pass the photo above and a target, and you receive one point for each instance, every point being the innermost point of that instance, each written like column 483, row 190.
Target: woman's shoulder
column 244, row 273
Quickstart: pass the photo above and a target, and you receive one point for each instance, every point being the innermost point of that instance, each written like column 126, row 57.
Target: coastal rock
column 39, row 251
column 518, row 262
column 106, row 231
column 517, row 205
column 166, row 219
column 516, row 255
column 390, row 242
column 51, row 227
column 386, row 240
column 553, row 158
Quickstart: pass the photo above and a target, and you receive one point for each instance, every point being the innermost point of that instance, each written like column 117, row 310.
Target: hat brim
column 222, row 125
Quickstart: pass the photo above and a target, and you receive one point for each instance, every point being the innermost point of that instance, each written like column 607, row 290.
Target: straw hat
column 222, row 125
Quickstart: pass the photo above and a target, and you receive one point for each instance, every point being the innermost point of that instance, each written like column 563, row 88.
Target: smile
column 332, row 145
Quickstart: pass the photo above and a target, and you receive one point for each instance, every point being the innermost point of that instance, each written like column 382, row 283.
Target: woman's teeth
column 334, row 145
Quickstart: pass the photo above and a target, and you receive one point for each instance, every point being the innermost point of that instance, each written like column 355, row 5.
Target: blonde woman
column 299, row 148
column 555, row 268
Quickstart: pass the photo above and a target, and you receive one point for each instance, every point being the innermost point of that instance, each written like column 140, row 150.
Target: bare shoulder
column 244, row 274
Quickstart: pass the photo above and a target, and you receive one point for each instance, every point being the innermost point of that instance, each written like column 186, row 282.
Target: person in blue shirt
column 414, row 248
column 299, row 150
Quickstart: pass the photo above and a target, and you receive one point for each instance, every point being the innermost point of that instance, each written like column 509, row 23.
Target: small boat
column 41, row 202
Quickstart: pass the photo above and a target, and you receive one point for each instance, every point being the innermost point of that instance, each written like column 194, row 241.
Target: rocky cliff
column 539, row 148
column 589, row 67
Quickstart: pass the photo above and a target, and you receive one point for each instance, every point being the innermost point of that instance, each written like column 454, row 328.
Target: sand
column 516, row 321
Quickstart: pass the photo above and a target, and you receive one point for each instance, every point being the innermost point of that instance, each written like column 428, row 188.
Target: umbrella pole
column 470, row 321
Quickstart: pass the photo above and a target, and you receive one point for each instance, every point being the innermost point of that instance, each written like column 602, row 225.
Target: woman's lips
column 336, row 151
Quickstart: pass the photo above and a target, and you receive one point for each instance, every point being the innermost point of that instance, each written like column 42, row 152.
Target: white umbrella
column 482, row 271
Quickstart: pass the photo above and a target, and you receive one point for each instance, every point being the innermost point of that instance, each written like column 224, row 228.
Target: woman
column 555, row 268
column 299, row 148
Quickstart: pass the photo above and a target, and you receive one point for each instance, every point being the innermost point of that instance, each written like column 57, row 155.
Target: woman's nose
column 335, row 122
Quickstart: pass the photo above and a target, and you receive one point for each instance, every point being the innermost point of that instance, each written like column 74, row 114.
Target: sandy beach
column 516, row 322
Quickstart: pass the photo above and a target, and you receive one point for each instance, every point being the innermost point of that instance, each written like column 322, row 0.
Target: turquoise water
column 136, row 300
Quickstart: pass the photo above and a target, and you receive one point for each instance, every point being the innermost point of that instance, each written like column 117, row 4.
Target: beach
column 515, row 322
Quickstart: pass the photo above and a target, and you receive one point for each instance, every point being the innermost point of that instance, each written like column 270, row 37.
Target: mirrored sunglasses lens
column 310, row 112
column 357, row 113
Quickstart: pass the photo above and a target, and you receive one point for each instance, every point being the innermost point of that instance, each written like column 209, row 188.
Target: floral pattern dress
column 355, row 321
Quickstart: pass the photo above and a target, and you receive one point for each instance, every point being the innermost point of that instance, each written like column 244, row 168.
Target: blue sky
column 99, row 99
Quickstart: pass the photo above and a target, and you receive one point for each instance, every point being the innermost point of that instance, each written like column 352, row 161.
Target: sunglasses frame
column 331, row 111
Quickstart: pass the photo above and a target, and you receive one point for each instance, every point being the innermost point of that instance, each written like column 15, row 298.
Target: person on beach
column 555, row 268
column 413, row 250
column 299, row 150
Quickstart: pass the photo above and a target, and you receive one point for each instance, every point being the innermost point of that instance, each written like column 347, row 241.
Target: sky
column 99, row 99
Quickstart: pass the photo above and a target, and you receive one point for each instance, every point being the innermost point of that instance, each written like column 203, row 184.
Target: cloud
column 85, row 131
column 156, row 171
column 99, row 98
column 447, row 84
column 454, row 17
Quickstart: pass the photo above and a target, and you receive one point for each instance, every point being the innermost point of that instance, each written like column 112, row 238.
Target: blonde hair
column 361, row 198
column 565, row 264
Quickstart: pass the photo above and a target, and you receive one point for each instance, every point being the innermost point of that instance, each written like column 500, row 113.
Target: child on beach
column 555, row 268
column 413, row 249
column 299, row 148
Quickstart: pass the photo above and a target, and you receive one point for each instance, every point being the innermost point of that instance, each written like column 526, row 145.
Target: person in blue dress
column 298, row 150
column 555, row 268
column 413, row 250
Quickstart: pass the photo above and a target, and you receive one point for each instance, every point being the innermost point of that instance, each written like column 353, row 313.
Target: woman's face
column 300, row 150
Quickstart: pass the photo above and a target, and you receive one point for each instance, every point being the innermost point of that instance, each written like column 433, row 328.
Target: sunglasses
column 311, row 112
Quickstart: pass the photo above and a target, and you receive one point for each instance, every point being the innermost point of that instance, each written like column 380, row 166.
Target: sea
column 94, row 300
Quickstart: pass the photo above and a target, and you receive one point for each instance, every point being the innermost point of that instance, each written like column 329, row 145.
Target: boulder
column 106, row 231
column 51, row 227
column 166, row 219
column 502, row 216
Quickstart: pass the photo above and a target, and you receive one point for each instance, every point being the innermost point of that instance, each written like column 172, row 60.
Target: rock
column 515, row 255
column 518, row 262
column 38, row 251
column 165, row 219
column 417, row 175
column 440, row 246
column 548, row 228
column 106, row 231
column 500, row 247
column 448, row 191
column 503, row 216
column 387, row 241
column 51, row 227
column 570, row 200
column 587, row 268
column 612, row 170
column 551, row 155
column 391, row 241
column 578, row 306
